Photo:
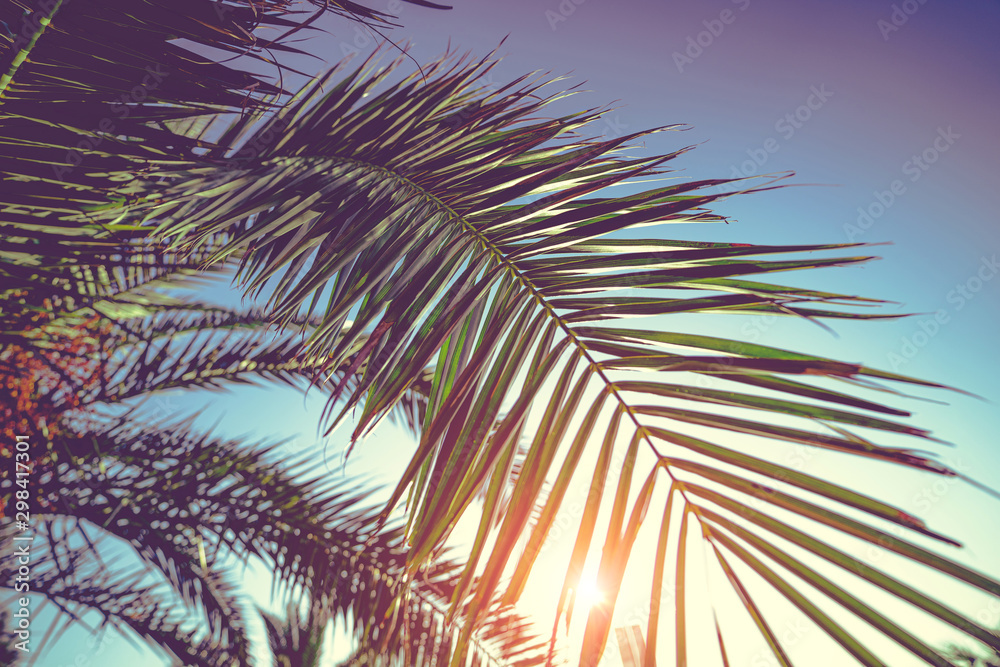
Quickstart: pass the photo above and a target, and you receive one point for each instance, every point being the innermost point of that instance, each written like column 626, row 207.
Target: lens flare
column 588, row 594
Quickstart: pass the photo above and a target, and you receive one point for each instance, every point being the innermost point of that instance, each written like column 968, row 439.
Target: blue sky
column 885, row 109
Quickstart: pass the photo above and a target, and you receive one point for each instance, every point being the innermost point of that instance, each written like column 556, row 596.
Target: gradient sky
column 879, row 98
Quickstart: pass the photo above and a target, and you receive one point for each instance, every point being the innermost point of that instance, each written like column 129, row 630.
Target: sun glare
column 588, row 594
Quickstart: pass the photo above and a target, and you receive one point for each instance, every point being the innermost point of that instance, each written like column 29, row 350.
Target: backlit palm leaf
column 181, row 500
column 452, row 227
column 429, row 222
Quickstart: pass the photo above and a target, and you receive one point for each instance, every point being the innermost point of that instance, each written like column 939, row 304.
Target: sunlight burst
column 589, row 594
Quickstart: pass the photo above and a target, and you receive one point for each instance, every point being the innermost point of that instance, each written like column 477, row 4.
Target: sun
column 589, row 594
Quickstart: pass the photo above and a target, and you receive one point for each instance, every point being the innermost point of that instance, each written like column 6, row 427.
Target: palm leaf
column 455, row 229
column 139, row 485
column 451, row 228
column 90, row 90
column 77, row 582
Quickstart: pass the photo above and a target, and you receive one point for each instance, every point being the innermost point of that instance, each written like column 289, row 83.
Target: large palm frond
column 454, row 226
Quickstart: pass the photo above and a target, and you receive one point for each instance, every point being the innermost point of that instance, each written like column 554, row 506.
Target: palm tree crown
column 431, row 246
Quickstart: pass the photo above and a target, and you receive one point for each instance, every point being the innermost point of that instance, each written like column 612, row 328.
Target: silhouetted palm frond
column 186, row 505
column 454, row 228
column 430, row 222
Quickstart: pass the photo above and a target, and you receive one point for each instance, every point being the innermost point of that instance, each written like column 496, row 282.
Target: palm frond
column 72, row 578
column 458, row 228
column 296, row 641
column 454, row 228
column 212, row 347
column 90, row 90
column 182, row 500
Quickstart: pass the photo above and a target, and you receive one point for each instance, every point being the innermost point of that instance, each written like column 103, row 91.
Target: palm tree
column 184, row 505
column 430, row 225
column 89, row 327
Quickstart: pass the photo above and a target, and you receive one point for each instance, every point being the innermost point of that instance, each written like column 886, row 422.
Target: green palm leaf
column 428, row 223
column 90, row 90
column 447, row 227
